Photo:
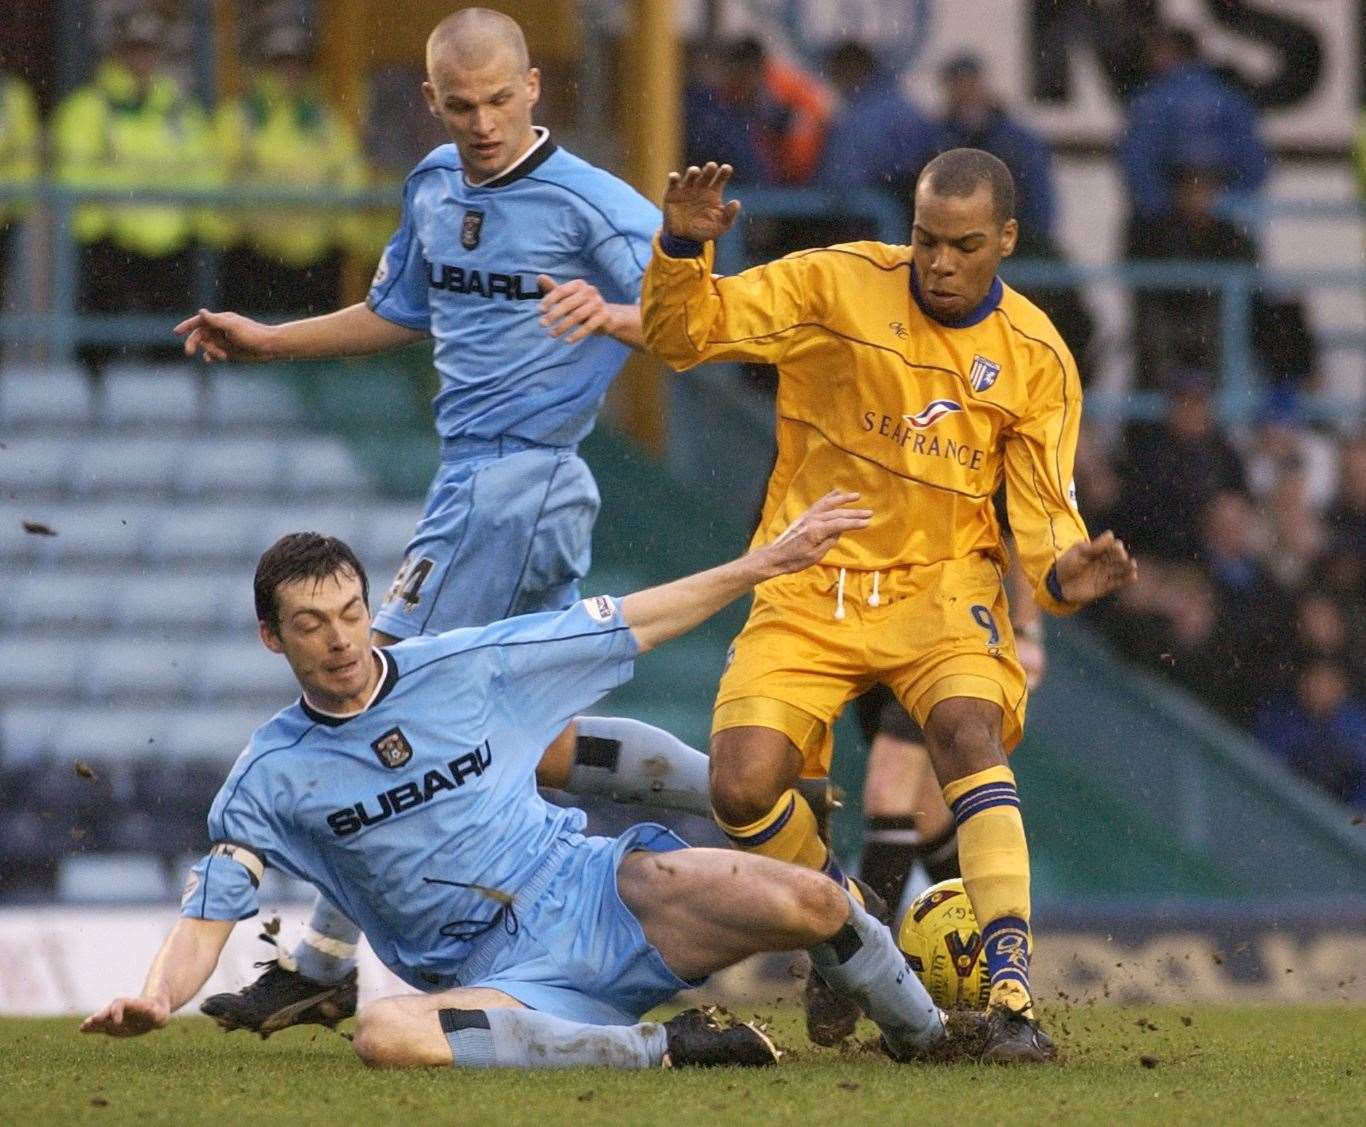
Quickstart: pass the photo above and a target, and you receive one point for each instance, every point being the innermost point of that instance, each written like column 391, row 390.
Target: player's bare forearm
column 354, row 331
column 624, row 325
column 182, row 966
column 659, row 613
column 186, row 960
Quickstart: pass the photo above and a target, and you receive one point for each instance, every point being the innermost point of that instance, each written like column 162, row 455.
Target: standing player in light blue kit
column 489, row 224
column 402, row 784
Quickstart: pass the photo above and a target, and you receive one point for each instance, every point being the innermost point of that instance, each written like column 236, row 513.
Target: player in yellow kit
column 914, row 377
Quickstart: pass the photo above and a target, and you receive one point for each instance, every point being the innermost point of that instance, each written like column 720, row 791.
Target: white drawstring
column 875, row 599
column 839, row 598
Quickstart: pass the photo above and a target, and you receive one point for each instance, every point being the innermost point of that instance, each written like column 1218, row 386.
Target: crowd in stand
column 134, row 125
column 1253, row 594
column 1252, row 546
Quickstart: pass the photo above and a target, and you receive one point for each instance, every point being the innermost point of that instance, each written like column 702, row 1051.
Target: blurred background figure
column 20, row 154
column 785, row 110
column 714, row 127
column 1179, row 328
column 1171, row 470
column 1319, row 730
column 878, row 136
column 974, row 117
column 1186, row 116
column 132, row 128
column 283, row 132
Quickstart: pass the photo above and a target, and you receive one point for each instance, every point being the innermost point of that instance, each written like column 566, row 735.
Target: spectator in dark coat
column 1320, row 732
column 1187, row 115
column 1170, row 471
column 878, row 138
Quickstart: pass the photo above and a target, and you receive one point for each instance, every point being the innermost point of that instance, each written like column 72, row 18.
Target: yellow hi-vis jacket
column 922, row 419
column 108, row 135
column 269, row 138
column 20, row 140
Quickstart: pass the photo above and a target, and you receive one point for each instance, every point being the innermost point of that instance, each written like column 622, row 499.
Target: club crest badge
column 983, row 373
column 393, row 748
column 471, row 227
column 931, row 414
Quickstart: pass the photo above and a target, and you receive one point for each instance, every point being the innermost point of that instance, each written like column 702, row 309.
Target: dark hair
column 1180, row 39
column 747, row 53
column 960, row 172
column 301, row 555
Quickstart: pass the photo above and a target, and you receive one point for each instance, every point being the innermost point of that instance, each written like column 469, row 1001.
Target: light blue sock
column 628, row 761
column 863, row 962
column 517, row 1038
column 327, row 951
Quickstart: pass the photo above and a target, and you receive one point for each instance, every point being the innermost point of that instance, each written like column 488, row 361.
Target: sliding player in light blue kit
column 489, row 223
column 402, row 784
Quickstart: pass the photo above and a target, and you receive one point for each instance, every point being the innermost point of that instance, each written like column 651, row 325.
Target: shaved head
column 473, row 37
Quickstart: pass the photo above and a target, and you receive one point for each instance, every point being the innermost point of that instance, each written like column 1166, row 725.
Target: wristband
column 675, row 246
column 1054, row 585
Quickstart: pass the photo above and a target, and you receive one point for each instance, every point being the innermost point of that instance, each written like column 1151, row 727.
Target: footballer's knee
column 750, row 770
column 812, row 906
column 384, row 1036
column 964, row 736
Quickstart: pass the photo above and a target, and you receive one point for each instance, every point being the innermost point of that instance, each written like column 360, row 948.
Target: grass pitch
column 1120, row 1065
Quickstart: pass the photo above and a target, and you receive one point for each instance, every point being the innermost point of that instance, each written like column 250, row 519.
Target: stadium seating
column 127, row 639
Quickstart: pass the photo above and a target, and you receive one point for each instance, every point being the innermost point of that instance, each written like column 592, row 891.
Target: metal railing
column 55, row 322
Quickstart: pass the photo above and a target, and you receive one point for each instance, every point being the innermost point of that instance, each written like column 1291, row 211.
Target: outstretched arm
column 181, row 968
column 659, row 613
column 356, row 330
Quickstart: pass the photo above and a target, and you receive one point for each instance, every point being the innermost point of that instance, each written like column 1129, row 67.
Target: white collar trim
column 542, row 136
column 379, row 685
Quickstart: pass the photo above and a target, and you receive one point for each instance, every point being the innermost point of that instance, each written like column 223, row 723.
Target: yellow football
column 943, row 945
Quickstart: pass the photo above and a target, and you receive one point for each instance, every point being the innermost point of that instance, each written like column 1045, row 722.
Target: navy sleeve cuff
column 676, row 247
column 1054, row 587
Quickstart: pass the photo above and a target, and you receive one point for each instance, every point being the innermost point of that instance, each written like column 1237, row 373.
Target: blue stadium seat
column 336, row 518
column 319, row 466
column 238, row 397
column 220, row 533
column 383, row 533
column 111, row 878
column 230, row 467
column 36, row 464
column 219, row 734
column 26, row 732
column 53, row 598
column 198, row 600
column 85, row 531
column 32, row 667
column 128, row 669
column 52, row 397
column 147, row 395
column 238, row 670
column 113, row 464
column 95, row 735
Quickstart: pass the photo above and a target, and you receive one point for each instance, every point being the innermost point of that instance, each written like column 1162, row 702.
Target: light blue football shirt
column 463, row 266
column 394, row 811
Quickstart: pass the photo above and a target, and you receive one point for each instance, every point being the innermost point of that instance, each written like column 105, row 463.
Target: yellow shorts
column 933, row 632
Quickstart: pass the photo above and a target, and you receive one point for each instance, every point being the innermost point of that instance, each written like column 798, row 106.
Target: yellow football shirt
column 921, row 418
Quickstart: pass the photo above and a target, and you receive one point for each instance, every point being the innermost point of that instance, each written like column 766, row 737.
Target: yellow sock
column 994, row 859
column 788, row 832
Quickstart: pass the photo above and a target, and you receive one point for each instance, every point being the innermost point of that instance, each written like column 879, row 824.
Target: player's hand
column 1091, row 570
column 1033, row 659
column 576, row 308
column 128, row 1017
column 815, row 532
column 693, row 207
column 225, row 336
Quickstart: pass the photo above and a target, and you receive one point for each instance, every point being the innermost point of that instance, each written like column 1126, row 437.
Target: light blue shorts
column 507, row 529
column 578, row 952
